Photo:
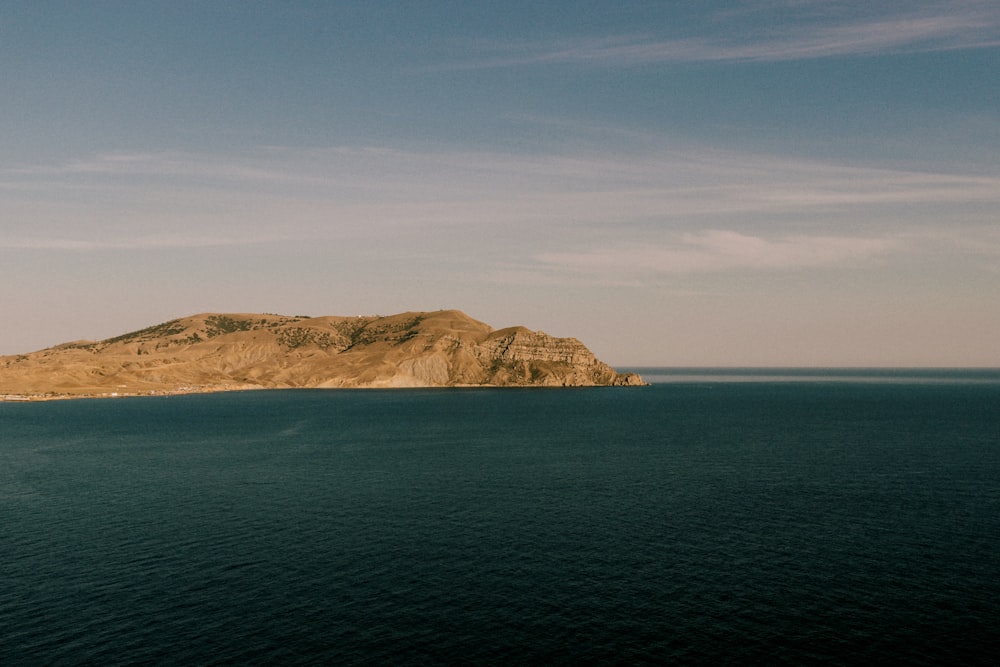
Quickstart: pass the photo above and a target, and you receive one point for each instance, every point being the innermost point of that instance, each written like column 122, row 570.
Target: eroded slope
column 213, row 351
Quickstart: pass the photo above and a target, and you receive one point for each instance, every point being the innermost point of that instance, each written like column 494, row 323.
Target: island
column 212, row 352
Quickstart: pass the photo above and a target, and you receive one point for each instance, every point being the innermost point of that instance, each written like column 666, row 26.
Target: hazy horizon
column 762, row 184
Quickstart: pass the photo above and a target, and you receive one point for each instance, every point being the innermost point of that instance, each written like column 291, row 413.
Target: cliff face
column 212, row 352
column 532, row 357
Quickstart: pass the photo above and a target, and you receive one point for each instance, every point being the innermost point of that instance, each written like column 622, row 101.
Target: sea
column 716, row 516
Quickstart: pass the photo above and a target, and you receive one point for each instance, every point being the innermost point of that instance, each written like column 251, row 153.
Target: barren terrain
column 223, row 352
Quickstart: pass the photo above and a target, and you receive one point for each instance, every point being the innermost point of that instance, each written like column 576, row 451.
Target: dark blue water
column 790, row 518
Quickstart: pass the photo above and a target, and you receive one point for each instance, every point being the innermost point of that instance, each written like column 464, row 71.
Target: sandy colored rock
column 227, row 351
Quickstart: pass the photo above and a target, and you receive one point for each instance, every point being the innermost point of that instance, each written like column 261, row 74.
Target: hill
column 227, row 351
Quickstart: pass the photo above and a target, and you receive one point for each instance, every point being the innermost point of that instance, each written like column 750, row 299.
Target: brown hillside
column 215, row 352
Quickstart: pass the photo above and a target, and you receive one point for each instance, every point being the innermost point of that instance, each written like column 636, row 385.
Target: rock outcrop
column 217, row 352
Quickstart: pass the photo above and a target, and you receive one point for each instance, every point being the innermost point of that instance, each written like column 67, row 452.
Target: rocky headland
column 227, row 352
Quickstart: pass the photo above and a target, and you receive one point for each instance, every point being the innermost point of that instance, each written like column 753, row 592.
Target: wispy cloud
column 718, row 210
column 923, row 28
column 150, row 242
column 719, row 250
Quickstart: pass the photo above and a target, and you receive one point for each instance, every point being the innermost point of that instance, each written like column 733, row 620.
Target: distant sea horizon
column 815, row 373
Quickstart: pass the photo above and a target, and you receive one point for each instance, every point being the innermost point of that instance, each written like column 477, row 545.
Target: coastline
column 187, row 391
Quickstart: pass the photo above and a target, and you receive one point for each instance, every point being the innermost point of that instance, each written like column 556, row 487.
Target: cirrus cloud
column 921, row 27
column 720, row 250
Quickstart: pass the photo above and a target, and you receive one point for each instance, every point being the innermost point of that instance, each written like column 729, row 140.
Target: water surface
column 784, row 519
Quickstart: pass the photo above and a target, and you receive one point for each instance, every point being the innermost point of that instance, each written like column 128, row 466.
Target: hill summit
column 228, row 351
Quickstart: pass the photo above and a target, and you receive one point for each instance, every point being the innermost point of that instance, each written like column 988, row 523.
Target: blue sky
column 772, row 182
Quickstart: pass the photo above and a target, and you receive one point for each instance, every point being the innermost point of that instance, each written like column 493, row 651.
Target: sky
column 757, row 183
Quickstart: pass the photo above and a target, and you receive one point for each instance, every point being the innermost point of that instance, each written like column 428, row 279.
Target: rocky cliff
column 213, row 352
